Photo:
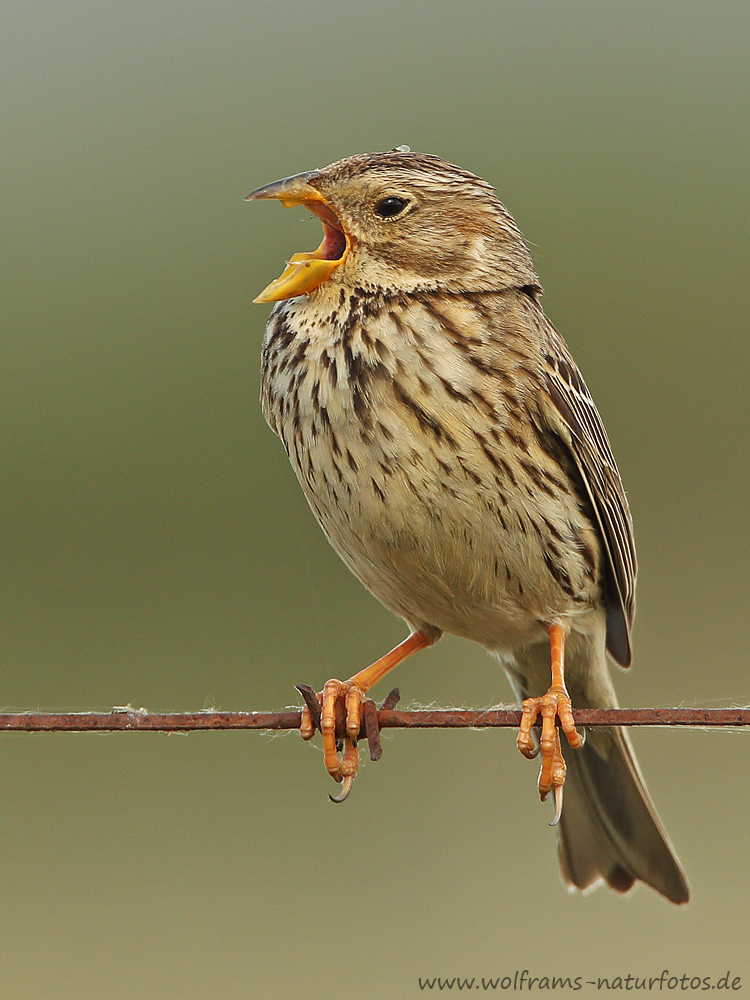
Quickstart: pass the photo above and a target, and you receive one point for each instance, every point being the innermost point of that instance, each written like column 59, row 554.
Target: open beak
column 305, row 271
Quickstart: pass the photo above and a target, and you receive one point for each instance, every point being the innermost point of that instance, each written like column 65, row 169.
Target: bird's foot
column 339, row 701
column 341, row 706
column 555, row 704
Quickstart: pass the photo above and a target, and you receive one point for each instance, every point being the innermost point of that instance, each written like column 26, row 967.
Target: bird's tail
column 609, row 829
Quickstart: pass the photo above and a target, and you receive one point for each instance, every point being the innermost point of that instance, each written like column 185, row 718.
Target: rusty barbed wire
column 374, row 719
column 129, row 719
column 387, row 716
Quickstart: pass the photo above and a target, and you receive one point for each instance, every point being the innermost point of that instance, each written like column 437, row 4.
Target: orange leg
column 555, row 704
column 353, row 692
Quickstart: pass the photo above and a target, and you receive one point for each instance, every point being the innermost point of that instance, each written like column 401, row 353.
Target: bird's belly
column 436, row 546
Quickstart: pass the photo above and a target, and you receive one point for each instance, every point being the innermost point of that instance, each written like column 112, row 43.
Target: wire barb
column 311, row 700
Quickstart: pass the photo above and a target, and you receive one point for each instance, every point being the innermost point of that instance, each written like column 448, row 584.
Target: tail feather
column 609, row 827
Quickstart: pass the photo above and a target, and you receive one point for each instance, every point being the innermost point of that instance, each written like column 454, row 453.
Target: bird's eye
column 389, row 207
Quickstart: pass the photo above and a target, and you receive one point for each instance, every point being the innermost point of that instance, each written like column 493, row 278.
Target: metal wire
column 130, row 719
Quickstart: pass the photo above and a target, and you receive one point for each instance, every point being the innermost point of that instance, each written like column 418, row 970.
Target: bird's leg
column 353, row 692
column 555, row 704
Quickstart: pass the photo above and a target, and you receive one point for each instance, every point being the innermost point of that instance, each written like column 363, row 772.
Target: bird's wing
column 577, row 421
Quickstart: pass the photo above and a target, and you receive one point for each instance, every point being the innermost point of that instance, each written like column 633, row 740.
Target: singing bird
column 452, row 454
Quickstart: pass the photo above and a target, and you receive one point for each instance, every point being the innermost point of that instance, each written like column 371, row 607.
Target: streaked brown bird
column 450, row 450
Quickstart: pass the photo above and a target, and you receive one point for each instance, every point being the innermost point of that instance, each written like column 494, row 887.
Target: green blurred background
column 157, row 550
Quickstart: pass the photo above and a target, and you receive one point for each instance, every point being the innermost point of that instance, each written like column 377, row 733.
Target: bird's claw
column 558, row 793
column 344, row 793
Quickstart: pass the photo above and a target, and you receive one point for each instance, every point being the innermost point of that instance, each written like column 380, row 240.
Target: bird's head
column 400, row 222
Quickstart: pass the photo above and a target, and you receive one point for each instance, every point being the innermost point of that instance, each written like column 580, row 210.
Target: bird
column 450, row 450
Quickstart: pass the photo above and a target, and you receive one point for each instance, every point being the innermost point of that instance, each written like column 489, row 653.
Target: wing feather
column 579, row 425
